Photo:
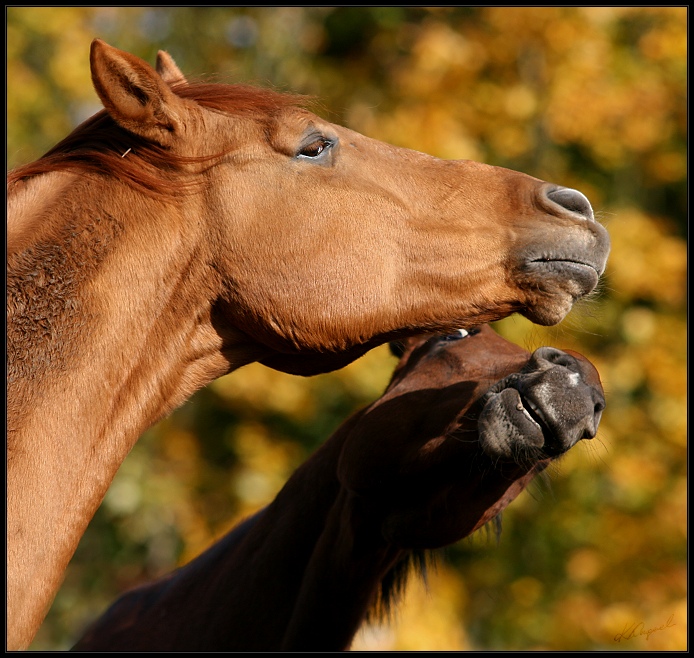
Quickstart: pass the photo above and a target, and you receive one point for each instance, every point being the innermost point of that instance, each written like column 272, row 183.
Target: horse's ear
column 134, row 94
column 168, row 70
column 397, row 348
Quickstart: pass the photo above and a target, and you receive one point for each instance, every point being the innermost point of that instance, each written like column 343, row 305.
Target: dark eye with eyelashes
column 456, row 335
column 459, row 334
column 316, row 148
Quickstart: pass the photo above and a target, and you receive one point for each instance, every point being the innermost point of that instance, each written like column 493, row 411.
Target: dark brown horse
column 466, row 422
column 188, row 229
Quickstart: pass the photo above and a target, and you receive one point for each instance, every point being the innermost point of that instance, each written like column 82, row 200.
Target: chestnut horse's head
column 466, row 422
column 323, row 243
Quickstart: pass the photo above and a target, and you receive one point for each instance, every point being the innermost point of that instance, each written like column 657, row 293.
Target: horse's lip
column 581, row 248
column 564, row 276
column 523, row 421
column 535, row 415
column 532, row 411
column 529, row 412
column 567, row 262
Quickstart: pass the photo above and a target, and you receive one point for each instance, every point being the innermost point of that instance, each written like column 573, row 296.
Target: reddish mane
column 100, row 146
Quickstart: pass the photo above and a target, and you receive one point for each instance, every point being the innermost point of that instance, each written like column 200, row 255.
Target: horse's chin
column 555, row 286
column 547, row 316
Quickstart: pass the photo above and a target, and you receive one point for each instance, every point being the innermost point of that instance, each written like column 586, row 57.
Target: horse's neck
column 245, row 592
column 306, row 572
column 342, row 578
column 108, row 329
column 301, row 574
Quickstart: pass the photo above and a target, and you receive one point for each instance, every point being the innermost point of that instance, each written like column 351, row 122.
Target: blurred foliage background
column 589, row 97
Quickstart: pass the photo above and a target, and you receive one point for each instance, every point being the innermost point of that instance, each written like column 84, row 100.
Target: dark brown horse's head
column 466, row 422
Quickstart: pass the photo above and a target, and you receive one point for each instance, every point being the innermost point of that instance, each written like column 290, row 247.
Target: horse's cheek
column 430, row 525
column 370, row 460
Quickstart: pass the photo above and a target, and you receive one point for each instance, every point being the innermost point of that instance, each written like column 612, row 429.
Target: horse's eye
column 456, row 335
column 460, row 333
column 315, row 148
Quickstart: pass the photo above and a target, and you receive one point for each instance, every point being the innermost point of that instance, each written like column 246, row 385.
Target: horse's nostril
column 572, row 200
column 553, row 355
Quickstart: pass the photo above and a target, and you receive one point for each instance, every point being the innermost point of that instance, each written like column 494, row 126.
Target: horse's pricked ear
column 134, row 94
column 168, row 70
column 397, row 348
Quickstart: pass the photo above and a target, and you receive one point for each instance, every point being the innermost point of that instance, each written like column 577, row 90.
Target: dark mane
column 393, row 584
column 416, row 562
column 100, row 146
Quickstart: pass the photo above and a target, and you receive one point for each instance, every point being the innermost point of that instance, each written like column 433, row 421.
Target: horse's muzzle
column 542, row 411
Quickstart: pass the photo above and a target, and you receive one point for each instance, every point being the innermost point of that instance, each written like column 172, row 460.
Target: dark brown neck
column 300, row 575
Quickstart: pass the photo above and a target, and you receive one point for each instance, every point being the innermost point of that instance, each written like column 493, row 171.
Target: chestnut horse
column 190, row 228
column 466, row 422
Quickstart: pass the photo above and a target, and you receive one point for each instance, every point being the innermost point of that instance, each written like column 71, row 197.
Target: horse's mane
column 100, row 146
column 393, row 584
